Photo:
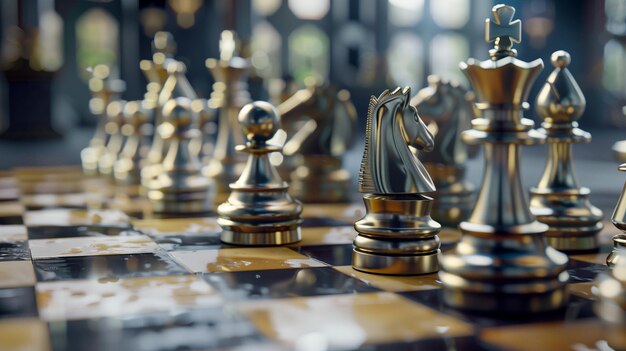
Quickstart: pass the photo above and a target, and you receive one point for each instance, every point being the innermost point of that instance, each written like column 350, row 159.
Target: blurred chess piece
column 558, row 200
column 104, row 89
column 397, row 235
column 610, row 302
column 230, row 94
column 176, row 85
column 447, row 110
column 180, row 188
column 208, row 127
column 115, row 138
column 502, row 263
column 325, row 120
column 619, row 221
column 138, row 130
column 619, row 148
column 259, row 210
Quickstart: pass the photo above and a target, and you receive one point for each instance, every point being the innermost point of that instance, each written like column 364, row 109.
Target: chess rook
column 230, row 94
column 502, row 263
column 558, row 200
column 322, row 120
column 397, row 235
column 446, row 108
column 259, row 210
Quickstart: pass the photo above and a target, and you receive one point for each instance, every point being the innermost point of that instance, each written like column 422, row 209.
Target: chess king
column 502, row 263
column 447, row 110
column 397, row 235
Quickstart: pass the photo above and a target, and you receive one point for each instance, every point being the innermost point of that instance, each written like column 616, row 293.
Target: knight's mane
column 366, row 180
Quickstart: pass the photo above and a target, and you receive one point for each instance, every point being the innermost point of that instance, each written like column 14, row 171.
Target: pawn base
column 246, row 234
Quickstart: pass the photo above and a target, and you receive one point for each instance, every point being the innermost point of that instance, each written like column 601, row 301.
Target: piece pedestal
column 454, row 199
column 320, row 179
column 177, row 194
column 504, row 272
column 397, row 236
column 257, row 217
column 619, row 251
column 573, row 221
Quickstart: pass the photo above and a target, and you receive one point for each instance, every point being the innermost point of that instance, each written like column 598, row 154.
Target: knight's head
column 413, row 130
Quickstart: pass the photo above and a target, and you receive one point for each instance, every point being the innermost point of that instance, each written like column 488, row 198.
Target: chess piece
column 180, row 188
column 113, row 129
column 619, row 148
column 610, row 305
column 104, row 89
column 138, row 130
column 259, row 210
column 447, row 110
column 208, row 127
column 619, row 221
column 502, row 263
column 397, row 235
column 176, row 85
column 319, row 143
column 558, row 200
column 230, row 94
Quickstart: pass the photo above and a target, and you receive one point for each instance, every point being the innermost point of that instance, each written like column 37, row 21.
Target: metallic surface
column 619, row 148
column 619, row 221
column 397, row 235
column 104, row 89
column 180, row 186
column 138, row 129
column 259, row 210
column 230, row 94
column 558, row 200
column 447, row 109
column 320, row 121
column 619, row 250
column 502, row 263
column 115, row 138
column 610, row 292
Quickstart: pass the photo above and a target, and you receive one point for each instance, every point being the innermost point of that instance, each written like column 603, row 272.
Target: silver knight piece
column 447, row 109
column 397, row 235
column 502, row 263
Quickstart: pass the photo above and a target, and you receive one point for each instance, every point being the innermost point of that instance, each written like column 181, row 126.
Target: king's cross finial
column 503, row 31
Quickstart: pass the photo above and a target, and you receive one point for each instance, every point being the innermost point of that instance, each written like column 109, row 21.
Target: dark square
column 577, row 308
column 15, row 251
column 583, row 272
column 107, row 266
column 193, row 329
column 18, row 302
column 188, row 242
column 283, row 283
column 334, row 255
column 464, row 343
column 55, row 232
column 7, row 220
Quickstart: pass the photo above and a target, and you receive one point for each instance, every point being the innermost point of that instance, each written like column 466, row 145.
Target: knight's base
column 276, row 234
column 395, row 264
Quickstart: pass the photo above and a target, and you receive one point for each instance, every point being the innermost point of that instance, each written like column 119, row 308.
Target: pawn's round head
column 560, row 59
column 260, row 121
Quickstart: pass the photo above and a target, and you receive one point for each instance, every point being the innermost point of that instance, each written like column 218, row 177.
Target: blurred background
column 364, row 46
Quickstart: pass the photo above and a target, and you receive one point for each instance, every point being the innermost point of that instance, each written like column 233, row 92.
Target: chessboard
column 78, row 274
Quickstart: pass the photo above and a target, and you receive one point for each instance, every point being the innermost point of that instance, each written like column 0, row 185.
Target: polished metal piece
column 619, row 250
column 619, row 148
column 321, row 121
column 259, row 210
column 180, row 188
column 115, row 138
column 610, row 306
column 558, row 200
column 502, row 263
column 207, row 123
column 176, row 85
column 619, row 221
column 138, row 130
column 230, row 94
column 447, row 109
column 397, row 235
column 104, row 89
